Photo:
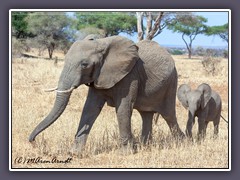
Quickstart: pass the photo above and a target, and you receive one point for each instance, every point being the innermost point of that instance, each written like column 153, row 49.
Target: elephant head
column 194, row 100
column 101, row 62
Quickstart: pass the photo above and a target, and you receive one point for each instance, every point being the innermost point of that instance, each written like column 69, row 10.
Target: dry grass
column 30, row 105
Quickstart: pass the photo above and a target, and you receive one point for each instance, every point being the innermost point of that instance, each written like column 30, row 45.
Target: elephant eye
column 84, row 65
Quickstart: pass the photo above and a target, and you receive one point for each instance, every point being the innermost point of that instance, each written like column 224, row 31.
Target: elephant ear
column 119, row 58
column 182, row 94
column 206, row 91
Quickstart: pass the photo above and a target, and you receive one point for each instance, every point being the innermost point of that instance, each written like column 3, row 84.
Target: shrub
column 175, row 52
column 17, row 47
column 199, row 51
column 210, row 64
column 225, row 53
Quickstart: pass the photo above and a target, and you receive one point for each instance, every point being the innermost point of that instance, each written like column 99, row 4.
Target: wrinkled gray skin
column 123, row 74
column 203, row 103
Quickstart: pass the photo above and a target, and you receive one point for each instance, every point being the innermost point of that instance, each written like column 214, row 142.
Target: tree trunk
column 50, row 50
column 149, row 23
column 190, row 51
column 49, row 53
column 189, row 54
column 155, row 27
column 140, row 25
column 189, row 46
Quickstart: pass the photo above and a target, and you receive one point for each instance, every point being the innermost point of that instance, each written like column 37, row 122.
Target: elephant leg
column 201, row 128
column 216, row 127
column 124, row 113
column 171, row 120
column 190, row 123
column 91, row 110
column 147, row 118
column 206, row 125
column 189, row 127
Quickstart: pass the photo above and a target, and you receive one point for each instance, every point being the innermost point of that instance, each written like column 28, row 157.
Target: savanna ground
column 30, row 104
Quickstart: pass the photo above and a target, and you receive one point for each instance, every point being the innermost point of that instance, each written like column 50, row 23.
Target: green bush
column 176, row 52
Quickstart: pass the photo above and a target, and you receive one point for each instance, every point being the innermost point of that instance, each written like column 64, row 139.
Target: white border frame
column 116, row 169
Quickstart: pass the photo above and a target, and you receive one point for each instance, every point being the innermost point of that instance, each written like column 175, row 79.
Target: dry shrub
column 17, row 47
column 210, row 64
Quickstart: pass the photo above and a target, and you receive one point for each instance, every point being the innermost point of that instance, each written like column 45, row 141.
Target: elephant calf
column 202, row 102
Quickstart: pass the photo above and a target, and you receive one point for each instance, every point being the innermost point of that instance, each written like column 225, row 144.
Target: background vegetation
column 58, row 30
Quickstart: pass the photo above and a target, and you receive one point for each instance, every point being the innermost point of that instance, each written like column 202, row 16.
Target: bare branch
column 149, row 22
column 155, row 26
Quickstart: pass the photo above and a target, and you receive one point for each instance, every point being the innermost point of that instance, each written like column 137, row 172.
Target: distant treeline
column 199, row 51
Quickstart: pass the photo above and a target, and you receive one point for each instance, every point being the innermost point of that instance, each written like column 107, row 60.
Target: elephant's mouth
column 90, row 83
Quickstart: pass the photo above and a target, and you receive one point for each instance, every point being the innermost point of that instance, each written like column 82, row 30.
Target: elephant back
column 156, row 59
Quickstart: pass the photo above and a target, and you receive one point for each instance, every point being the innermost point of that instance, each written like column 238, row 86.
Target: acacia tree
column 106, row 23
column 50, row 29
column 155, row 23
column 189, row 26
column 221, row 31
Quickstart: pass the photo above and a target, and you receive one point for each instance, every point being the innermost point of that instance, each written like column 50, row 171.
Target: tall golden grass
column 30, row 104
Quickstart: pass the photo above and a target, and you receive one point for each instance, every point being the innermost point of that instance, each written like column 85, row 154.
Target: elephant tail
column 224, row 119
column 156, row 117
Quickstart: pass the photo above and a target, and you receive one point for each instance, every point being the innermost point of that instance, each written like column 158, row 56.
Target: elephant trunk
column 190, row 123
column 61, row 102
column 58, row 108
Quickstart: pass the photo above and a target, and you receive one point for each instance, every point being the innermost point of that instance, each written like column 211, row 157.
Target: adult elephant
column 123, row 74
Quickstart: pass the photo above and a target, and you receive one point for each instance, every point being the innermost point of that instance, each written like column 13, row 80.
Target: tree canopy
column 221, row 31
column 189, row 26
column 50, row 29
column 19, row 24
column 111, row 23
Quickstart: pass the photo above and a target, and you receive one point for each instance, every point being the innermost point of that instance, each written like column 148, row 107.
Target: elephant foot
column 126, row 150
column 179, row 135
column 201, row 137
column 78, row 148
column 127, row 146
column 146, row 140
column 189, row 140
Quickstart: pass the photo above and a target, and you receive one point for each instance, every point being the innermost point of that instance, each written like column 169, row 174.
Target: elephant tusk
column 66, row 91
column 50, row 90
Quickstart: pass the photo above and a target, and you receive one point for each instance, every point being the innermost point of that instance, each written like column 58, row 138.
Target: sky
column 167, row 37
